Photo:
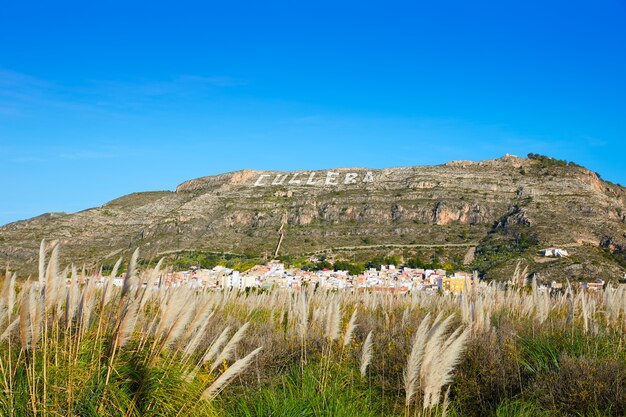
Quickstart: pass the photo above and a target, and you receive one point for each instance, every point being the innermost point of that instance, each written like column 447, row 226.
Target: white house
column 554, row 252
column 233, row 280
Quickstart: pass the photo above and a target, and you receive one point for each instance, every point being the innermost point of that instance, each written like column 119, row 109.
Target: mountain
column 488, row 215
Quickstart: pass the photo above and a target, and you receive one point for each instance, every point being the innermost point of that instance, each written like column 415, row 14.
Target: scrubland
column 83, row 347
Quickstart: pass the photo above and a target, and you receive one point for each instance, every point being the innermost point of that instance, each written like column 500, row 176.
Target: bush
column 488, row 375
column 352, row 268
column 546, row 161
column 584, row 384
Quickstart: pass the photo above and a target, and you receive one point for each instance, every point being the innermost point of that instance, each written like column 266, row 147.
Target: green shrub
column 584, row 385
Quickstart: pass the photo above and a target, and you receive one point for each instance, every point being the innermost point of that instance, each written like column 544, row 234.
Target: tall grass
column 84, row 347
column 81, row 346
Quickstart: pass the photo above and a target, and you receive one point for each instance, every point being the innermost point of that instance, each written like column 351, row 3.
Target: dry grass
column 143, row 350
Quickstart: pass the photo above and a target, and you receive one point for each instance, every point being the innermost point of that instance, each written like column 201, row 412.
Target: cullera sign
column 298, row 178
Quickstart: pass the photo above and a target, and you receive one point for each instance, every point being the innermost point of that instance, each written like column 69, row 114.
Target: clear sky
column 100, row 99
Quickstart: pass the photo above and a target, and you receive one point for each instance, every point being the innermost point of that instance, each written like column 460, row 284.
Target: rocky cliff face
column 462, row 204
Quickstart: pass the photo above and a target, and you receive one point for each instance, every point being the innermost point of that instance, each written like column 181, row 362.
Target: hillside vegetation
column 505, row 210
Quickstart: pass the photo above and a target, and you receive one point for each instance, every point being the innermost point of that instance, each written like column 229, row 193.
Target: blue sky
column 100, row 99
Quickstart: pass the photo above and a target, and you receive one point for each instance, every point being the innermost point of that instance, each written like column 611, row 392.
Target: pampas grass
column 366, row 353
column 440, row 368
column 130, row 279
column 414, row 362
column 347, row 338
column 86, row 347
column 127, row 323
column 333, row 322
column 42, row 260
column 24, row 323
column 235, row 369
column 228, row 351
column 216, row 346
column 9, row 329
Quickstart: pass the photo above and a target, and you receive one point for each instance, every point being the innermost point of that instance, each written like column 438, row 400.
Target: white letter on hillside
column 279, row 179
column 331, row 178
column 259, row 181
column 311, row 180
column 350, row 178
column 369, row 177
column 293, row 179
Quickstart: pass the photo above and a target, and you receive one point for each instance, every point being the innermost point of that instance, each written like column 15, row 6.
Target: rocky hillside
column 487, row 215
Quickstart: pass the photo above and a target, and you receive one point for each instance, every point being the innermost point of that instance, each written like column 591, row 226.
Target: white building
column 554, row 252
column 238, row 281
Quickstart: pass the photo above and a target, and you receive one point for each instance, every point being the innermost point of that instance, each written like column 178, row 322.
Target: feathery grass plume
column 477, row 320
column 284, row 324
column 10, row 328
column 11, row 295
column 128, row 322
column 70, row 302
column 25, row 328
column 333, row 322
column 524, row 275
column 327, row 312
column 542, row 308
column 230, row 347
column 446, row 403
column 52, row 279
column 116, row 268
column 317, row 316
column 198, row 334
column 131, row 274
column 152, row 277
column 199, row 321
column 81, row 306
column 36, row 305
column 210, row 353
column 366, row 353
column 170, row 312
column 177, row 328
column 414, row 362
column 405, row 317
column 347, row 338
column 516, row 275
column 223, row 380
column 5, row 285
column 61, row 282
column 608, row 297
column 303, row 324
column 87, row 305
column 4, row 310
column 106, row 289
column 435, row 340
column 7, row 298
column 441, row 368
column 216, row 346
column 451, row 339
column 466, row 308
column 615, row 302
column 42, row 260
column 584, row 310
column 591, row 307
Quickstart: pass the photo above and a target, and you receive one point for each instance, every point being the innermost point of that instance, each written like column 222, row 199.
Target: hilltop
column 488, row 215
